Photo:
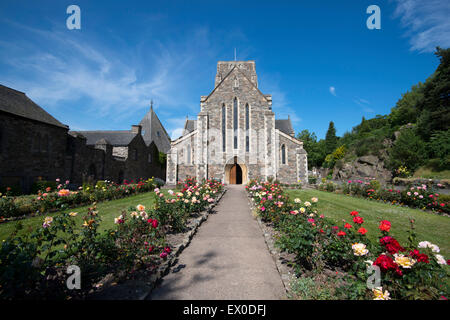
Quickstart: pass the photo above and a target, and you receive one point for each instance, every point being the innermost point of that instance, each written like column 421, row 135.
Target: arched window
column 283, row 154
column 236, row 82
column 135, row 154
column 235, row 122
column 188, row 154
column 224, row 126
column 247, row 128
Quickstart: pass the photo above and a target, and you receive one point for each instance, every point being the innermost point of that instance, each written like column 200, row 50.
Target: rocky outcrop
column 363, row 167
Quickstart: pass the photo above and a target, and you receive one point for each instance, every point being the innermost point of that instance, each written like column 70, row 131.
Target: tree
column 408, row 150
column 435, row 115
column 315, row 150
column 330, row 139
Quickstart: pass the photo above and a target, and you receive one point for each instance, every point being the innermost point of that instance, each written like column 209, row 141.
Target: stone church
column 236, row 137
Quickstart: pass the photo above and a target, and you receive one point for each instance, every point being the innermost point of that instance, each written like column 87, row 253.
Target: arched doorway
column 235, row 171
column 236, row 174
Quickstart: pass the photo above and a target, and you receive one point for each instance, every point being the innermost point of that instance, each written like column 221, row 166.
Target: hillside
column 415, row 134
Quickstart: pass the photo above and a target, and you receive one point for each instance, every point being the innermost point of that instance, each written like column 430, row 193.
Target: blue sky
column 317, row 58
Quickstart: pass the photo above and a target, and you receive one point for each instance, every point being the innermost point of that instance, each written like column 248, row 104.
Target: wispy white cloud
column 364, row 104
column 332, row 90
column 56, row 69
column 427, row 23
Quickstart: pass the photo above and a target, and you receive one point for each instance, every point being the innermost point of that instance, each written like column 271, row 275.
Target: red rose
column 167, row 249
column 385, row 225
column 341, row 233
column 163, row 255
column 362, row 230
column 155, row 223
column 392, row 246
column 354, row 213
column 358, row 220
column 347, row 226
column 385, row 263
column 420, row 257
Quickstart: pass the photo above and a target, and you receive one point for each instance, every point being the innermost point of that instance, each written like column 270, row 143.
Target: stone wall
column 28, row 150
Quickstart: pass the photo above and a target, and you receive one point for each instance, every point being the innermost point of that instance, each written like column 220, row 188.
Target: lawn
column 108, row 210
column 337, row 207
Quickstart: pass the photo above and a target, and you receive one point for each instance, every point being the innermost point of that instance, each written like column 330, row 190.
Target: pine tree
column 331, row 139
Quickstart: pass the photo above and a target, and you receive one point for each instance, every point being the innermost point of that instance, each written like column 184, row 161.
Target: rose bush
column 420, row 197
column 33, row 265
column 60, row 198
column 409, row 271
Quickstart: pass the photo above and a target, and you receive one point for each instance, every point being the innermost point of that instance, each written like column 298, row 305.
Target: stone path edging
column 164, row 268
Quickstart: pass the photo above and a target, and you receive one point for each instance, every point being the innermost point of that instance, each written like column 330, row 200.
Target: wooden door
column 233, row 175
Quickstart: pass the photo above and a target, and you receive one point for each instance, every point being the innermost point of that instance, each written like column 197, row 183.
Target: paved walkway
column 226, row 259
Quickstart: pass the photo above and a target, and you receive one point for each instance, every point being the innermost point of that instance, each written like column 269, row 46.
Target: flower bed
column 420, row 197
column 34, row 265
column 410, row 271
column 60, row 197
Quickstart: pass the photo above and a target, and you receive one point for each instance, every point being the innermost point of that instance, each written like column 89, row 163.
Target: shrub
column 42, row 185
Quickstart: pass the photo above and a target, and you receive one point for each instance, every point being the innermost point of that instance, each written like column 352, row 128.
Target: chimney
column 135, row 128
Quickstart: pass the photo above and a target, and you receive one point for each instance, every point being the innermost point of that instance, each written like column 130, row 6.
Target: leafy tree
column 330, row 138
column 405, row 111
column 408, row 150
column 439, row 148
column 435, row 115
column 330, row 160
column 314, row 148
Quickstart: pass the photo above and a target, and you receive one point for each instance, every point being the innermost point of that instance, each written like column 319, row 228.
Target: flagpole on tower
column 234, row 54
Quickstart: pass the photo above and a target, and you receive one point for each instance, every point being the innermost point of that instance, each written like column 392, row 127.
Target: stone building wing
column 17, row 103
column 154, row 131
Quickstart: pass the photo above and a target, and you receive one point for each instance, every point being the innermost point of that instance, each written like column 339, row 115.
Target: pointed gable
column 154, row 131
column 246, row 71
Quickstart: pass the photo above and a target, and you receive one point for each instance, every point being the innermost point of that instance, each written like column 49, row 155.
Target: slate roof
column 150, row 124
column 17, row 103
column 115, row 138
column 189, row 126
column 285, row 125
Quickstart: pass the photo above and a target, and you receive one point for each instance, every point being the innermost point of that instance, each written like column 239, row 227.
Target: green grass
column 429, row 226
column 108, row 210
column 427, row 173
